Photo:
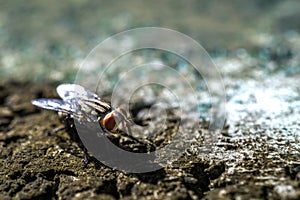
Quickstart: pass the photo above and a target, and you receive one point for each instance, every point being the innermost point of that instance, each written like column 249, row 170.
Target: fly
column 78, row 103
column 85, row 106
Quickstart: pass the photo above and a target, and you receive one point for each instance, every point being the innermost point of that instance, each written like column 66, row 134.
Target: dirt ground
column 255, row 46
column 37, row 164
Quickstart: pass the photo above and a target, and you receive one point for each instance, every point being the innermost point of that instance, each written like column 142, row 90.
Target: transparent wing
column 58, row 105
column 73, row 91
column 78, row 110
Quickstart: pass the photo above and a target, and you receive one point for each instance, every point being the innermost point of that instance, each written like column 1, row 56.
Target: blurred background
column 47, row 40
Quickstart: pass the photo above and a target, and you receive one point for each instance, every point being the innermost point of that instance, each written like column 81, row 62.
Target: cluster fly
column 85, row 106
column 78, row 103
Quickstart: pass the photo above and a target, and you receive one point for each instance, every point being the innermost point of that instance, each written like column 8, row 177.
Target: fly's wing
column 73, row 91
column 58, row 105
column 88, row 102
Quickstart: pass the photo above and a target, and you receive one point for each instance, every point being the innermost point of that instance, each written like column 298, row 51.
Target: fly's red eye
column 109, row 121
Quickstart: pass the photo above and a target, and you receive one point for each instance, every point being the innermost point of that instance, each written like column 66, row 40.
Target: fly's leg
column 86, row 159
column 55, row 130
column 126, row 127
